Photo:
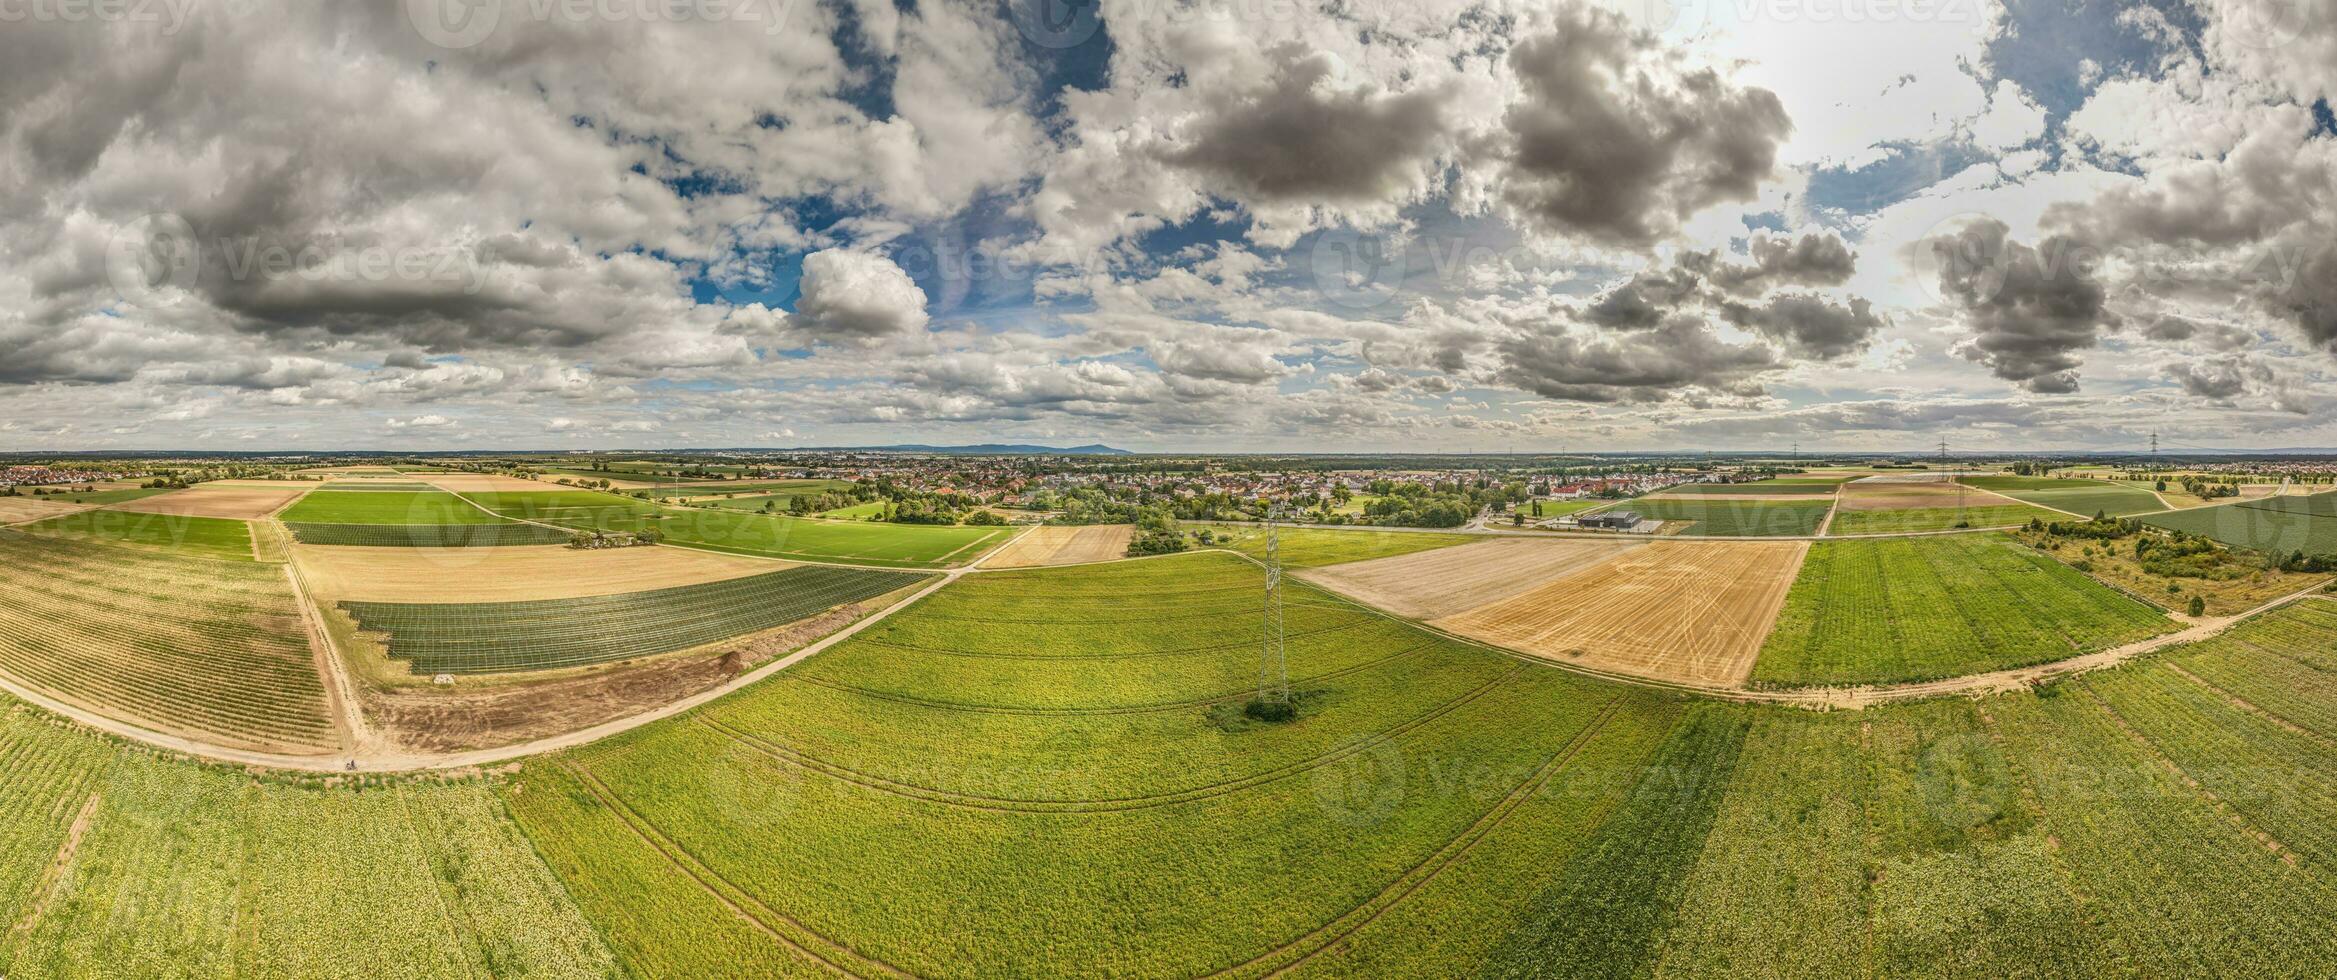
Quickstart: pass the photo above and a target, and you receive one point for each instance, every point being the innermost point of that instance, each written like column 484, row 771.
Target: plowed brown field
column 245, row 503
column 509, row 574
column 1693, row 612
column 1911, row 495
column 1064, row 546
column 1450, row 581
column 486, row 482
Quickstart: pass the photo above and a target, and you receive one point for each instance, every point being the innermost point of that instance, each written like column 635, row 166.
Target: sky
column 1249, row 225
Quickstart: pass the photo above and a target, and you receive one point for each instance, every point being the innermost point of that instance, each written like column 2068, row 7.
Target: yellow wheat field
column 1678, row 611
column 1064, row 546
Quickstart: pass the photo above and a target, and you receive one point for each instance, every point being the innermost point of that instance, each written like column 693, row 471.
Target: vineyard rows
column 428, row 535
column 471, row 638
column 199, row 647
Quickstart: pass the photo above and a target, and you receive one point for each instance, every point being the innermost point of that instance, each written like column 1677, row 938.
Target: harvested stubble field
column 1064, row 546
column 16, row 510
column 243, row 502
column 514, row 574
column 1674, row 611
column 1913, row 609
column 544, row 634
column 211, row 649
column 1450, row 581
column 206, row 537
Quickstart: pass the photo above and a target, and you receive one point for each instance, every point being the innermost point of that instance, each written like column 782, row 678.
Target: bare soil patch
column 1064, row 546
column 1877, row 494
column 509, row 574
column 17, row 510
column 244, row 503
column 1674, row 611
column 1450, row 581
column 429, row 718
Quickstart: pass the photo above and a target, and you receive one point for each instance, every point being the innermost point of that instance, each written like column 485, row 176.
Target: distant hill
column 992, row 449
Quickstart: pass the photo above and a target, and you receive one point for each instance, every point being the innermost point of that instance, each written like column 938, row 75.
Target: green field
column 385, row 507
column 118, row 862
column 204, row 537
column 178, row 644
column 1764, row 487
column 1075, row 781
column 428, row 535
column 1911, row 609
column 1726, row 518
column 494, row 637
column 2275, row 525
column 1937, row 518
column 1054, row 764
column 1558, row 508
column 855, row 542
column 856, row 512
column 2082, row 497
column 1306, row 547
column 792, row 488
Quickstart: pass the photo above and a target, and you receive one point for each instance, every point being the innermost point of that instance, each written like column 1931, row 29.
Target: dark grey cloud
column 2029, row 310
column 2220, row 379
column 1294, row 135
column 1617, row 142
column 1643, row 301
column 1809, row 325
column 1667, row 362
column 1813, row 259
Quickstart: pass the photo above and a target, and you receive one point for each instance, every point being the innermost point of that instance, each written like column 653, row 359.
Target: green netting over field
column 492, row 637
column 427, row 535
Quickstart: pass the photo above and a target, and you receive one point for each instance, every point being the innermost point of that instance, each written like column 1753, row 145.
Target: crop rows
column 1919, row 519
column 2278, row 525
column 471, row 638
column 1724, row 517
column 123, row 863
column 427, row 535
column 206, row 537
column 1912, row 609
column 201, row 647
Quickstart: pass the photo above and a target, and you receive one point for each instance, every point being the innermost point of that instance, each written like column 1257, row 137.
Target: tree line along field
column 500, row 637
column 1735, row 518
column 1911, row 609
column 1436, row 811
column 2084, row 498
column 2273, row 525
column 206, row 537
column 212, row 649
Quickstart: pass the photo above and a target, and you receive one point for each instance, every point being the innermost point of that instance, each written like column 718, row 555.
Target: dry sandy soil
column 1064, row 546
column 485, row 482
column 1449, row 581
column 1670, row 611
column 509, row 574
column 242, row 502
column 17, row 510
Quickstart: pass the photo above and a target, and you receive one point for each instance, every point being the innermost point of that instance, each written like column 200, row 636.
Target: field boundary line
column 720, row 887
column 1122, row 804
column 340, row 698
column 1419, row 875
column 45, row 889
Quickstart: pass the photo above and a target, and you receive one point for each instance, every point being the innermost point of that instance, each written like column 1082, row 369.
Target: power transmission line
column 1273, row 659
